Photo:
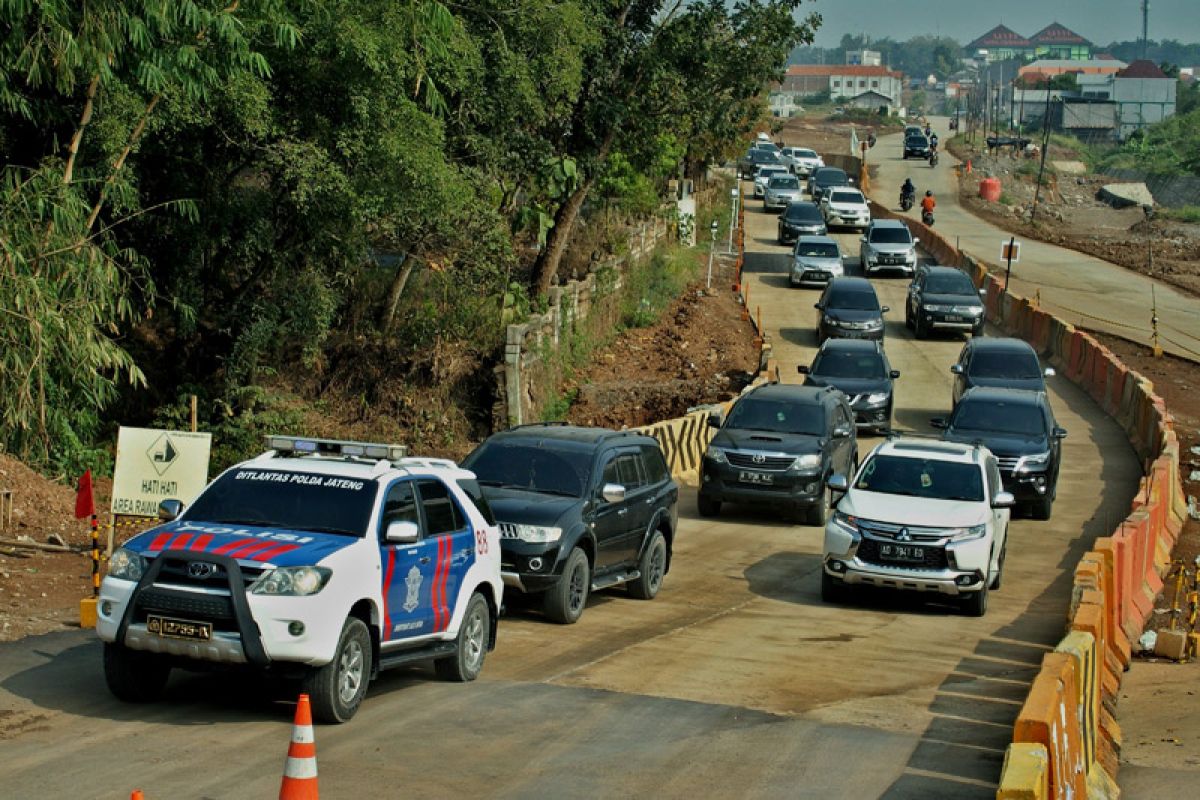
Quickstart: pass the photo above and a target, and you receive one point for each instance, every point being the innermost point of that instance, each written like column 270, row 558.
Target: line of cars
column 922, row 512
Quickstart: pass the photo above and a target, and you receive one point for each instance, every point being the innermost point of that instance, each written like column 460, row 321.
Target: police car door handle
column 424, row 559
column 466, row 551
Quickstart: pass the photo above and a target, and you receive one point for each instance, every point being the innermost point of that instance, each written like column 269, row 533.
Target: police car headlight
column 292, row 581
column 126, row 564
column 877, row 397
column 538, row 534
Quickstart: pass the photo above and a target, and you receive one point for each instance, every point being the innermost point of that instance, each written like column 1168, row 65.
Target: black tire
column 1042, row 508
column 135, row 676
column 908, row 320
column 565, row 601
column 919, row 329
column 471, row 644
column 337, row 688
column 707, row 506
column 996, row 579
column 652, row 566
column 819, row 512
column 976, row 603
column 832, row 589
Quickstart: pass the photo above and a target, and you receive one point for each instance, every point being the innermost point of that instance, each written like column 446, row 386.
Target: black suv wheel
column 564, row 602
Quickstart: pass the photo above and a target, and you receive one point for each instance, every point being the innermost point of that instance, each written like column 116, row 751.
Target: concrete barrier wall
column 1066, row 741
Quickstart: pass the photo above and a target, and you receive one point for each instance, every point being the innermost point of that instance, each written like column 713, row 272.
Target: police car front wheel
column 472, row 644
column 134, row 676
column 337, row 689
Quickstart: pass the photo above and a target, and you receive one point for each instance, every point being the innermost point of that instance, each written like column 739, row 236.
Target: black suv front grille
column 760, row 462
column 934, row 557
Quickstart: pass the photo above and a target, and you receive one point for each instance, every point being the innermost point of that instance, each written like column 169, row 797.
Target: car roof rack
column 307, row 446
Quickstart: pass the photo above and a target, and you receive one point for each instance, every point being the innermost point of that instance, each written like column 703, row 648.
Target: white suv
column 922, row 515
column 322, row 560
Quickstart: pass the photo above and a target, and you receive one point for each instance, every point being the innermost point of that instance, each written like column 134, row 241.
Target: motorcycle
column 906, row 200
column 927, row 218
column 933, row 158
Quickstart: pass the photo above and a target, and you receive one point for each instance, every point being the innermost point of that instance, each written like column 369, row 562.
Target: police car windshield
column 298, row 501
column 777, row 417
column 918, row 477
column 537, row 467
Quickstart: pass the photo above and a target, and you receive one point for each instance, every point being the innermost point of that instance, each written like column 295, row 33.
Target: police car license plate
column 755, row 477
column 900, row 552
column 179, row 628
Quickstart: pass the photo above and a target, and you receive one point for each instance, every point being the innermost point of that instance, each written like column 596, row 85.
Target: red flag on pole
column 85, row 501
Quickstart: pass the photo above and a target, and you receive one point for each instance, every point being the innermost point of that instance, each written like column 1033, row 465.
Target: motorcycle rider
column 928, row 204
column 933, row 141
column 907, row 190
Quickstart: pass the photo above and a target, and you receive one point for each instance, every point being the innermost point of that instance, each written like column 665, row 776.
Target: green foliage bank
column 252, row 200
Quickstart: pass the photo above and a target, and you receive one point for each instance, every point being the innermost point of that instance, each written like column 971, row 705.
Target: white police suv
column 319, row 559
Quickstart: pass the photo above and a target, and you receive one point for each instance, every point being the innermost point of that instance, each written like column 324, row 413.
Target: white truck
column 323, row 560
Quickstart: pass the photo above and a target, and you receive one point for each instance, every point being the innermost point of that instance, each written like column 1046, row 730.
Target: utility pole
column 1045, row 146
column 1145, row 27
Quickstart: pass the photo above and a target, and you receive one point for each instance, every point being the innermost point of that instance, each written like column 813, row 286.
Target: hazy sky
column 1100, row 21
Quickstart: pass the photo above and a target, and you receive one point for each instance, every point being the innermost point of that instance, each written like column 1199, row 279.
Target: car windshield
column 921, row 477
column 950, row 283
column 777, row 416
column 817, row 250
column 765, row 156
column 855, row 299
column 799, row 212
column 1017, row 366
column 785, row 183
column 803, row 154
column 846, row 197
column 767, row 173
column 917, row 140
column 537, row 467
column 891, row 236
column 989, row 416
column 297, row 501
column 842, row 364
column 828, row 176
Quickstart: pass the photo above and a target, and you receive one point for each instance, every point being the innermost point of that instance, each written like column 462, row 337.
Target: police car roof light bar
column 295, row 445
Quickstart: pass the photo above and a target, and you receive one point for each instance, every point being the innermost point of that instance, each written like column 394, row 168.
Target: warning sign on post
column 155, row 465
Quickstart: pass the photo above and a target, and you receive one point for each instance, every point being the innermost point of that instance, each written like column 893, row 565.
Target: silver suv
column 815, row 261
column 781, row 190
column 923, row 515
column 887, row 244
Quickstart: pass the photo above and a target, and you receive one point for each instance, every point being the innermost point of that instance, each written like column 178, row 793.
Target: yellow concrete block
column 87, row 612
column 1026, row 773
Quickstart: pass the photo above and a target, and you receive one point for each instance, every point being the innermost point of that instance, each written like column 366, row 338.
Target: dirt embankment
column 1069, row 214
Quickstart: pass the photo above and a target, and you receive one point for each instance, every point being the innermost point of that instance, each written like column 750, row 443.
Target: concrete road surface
column 1082, row 289
column 737, row 681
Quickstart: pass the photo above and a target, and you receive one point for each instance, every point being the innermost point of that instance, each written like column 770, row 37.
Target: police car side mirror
column 402, row 532
column 613, row 493
column 169, row 510
column 1004, row 500
column 838, row 483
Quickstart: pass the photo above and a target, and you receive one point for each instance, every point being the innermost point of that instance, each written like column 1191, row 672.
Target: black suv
column 800, row 218
column 777, row 447
column 943, row 299
column 1019, row 428
column 826, row 178
column 1000, row 363
column 916, row 145
column 748, row 164
column 579, row 509
column 860, row 369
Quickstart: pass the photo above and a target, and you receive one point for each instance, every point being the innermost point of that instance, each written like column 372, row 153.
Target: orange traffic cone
column 137, row 795
column 300, row 770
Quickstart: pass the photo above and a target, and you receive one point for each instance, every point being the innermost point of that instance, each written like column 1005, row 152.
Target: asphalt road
column 1080, row 288
column 736, row 681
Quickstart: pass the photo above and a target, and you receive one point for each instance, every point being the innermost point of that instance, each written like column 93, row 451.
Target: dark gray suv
column 777, row 447
column 579, row 509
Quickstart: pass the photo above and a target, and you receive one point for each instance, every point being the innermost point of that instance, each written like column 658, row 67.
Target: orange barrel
column 989, row 189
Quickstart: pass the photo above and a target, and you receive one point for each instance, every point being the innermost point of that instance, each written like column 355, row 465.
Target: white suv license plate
column 756, row 477
column 169, row 628
column 900, row 552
